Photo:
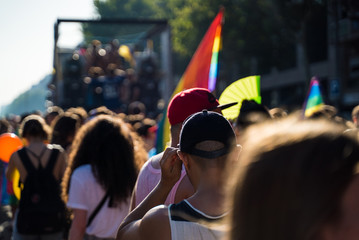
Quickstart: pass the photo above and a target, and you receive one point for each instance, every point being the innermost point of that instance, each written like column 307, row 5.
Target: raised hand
column 171, row 166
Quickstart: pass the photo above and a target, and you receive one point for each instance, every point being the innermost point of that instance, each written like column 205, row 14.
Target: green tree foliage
column 119, row 9
column 125, row 8
column 257, row 35
column 189, row 21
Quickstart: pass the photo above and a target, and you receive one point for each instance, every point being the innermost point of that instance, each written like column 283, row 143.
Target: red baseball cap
column 191, row 101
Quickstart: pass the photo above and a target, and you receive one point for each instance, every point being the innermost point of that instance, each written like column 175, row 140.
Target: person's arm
column 78, row 225
column 133, row 198
column 133, row 226
column 11, row 167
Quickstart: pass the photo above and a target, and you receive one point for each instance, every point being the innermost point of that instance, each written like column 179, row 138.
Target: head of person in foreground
column 207, row 140
column 296, row 180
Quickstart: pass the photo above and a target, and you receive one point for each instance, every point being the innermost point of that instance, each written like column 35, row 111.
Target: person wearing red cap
column 205, row 155
column 182, row 105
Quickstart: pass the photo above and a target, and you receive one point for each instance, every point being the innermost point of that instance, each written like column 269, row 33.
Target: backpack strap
column 26, row 160
column 97, row 209
column 52, row 160
column 38, row 157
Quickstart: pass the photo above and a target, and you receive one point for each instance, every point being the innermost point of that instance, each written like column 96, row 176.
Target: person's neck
column 210, row 198
column 35, row 142
column 174, row 141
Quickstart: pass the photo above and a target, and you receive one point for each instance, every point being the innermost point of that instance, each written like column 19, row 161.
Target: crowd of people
column 268, row 174
column 111, row 75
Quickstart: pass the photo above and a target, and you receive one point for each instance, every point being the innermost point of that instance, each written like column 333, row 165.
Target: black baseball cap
column 205, row 126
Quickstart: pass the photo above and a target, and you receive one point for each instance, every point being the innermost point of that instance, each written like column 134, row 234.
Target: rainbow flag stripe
column 314, row 99
column 214, row 60
column 201, row 71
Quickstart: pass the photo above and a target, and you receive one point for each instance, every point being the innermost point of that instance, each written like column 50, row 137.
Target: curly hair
column 106, row 144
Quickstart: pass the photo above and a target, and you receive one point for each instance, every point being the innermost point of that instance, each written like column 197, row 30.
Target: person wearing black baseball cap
column 181, row 106
column 207, row 144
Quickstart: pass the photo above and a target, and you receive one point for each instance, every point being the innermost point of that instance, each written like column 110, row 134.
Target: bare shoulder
column 15, row 160
column 156, row 223
column 157, row 213
column 155, row 161
column 153, row 225
column 15, row 156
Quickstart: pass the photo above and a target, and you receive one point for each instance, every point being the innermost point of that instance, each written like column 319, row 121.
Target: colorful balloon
column 9, row 143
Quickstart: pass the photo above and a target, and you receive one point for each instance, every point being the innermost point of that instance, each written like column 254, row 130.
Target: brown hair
column 80, row 112
column 64, row 128
column 290, row 179
column 34, row 126
column 105, row 142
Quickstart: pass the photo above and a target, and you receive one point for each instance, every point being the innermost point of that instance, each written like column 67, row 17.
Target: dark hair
column 136, row 108
column 52, row 112
column 142, row 127
column 102, row 110
column 325, row 111
column 4, row 126
column 250, row 113
column 64, row 127
column 80, row 112
column 34, row 126
column 105, row 143
column 278, row 113
column 290, row 179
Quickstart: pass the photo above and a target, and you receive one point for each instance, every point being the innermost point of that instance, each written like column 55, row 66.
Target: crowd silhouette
column 99, row 75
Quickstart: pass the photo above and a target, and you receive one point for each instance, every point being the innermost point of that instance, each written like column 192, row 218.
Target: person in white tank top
column 181, row 106
column 207, row 144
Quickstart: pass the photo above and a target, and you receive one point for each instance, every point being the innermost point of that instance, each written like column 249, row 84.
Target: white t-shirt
column 85, row 193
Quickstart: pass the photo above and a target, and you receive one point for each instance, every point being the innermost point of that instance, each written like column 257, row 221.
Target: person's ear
column 238, row 149
column 180, row 155
column 184, row 157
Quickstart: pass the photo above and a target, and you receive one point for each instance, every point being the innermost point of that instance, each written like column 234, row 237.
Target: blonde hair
column 290, row 179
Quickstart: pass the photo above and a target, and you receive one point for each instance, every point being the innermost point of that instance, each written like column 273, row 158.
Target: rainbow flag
column 314, row 100
column 201, row 72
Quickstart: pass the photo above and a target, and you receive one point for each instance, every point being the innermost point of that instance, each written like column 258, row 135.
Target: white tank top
column 189, row 223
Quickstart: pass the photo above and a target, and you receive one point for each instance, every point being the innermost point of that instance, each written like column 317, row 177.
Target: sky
column 27, row 40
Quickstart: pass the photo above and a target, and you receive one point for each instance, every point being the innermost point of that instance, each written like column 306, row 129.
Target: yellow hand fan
column 244, row 88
